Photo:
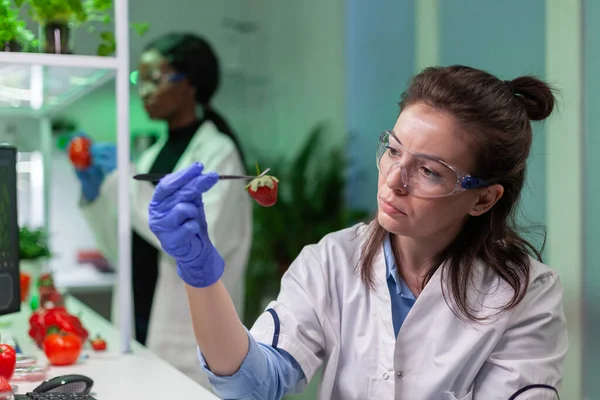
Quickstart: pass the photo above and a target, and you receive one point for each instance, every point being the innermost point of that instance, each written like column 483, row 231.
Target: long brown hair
column 495, row 116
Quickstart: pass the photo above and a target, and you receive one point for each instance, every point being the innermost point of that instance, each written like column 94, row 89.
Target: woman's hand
column 177, row 219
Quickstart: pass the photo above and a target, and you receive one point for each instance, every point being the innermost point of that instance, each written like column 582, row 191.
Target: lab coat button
column 399, row 374
column 385, row 376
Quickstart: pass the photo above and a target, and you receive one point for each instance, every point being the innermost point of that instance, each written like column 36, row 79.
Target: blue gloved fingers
column 171, row 183
column 177, row 219
column 173, row 218
column 179, row 237
column 193, row 190
column 186, row 194
column 203, row 183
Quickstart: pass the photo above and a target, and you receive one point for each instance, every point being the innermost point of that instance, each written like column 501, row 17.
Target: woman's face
column 162, row 94
column 421, row 129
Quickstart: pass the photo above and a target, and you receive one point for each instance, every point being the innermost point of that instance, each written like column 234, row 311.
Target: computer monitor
column 10, row 287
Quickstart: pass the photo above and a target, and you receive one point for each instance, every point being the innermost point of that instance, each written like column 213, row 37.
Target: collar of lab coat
column 391, row 271
column 484, row 280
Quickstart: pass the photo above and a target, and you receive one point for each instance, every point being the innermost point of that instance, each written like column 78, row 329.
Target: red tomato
column 25, row 280
column 62, row 348
column 99, row 344
column 79, row 152
column 8, row 360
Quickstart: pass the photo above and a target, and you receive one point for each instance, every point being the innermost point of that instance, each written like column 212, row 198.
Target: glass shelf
column 59, row 60
column 37, row 90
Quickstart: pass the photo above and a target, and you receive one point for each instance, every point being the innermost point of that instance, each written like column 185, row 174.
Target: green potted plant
column 310, row 205
column 58, row 18
column 99, row 11
column 33, row 251
column 14, row 36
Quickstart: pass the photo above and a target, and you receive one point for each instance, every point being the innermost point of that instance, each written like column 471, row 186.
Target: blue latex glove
column 104, row 161
column 177, row 219
column 104, row 155
column 91, row 179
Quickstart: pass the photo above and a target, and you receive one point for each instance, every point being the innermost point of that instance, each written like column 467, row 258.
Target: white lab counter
column 83, row 278
column 139, row 375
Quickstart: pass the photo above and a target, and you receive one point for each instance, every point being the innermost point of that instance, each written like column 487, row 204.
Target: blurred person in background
column 177, row 73
column 438, row 297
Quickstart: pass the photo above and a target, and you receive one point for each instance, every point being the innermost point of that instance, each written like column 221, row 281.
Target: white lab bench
column 137, row 375
column 89, row 285
column 83, row 278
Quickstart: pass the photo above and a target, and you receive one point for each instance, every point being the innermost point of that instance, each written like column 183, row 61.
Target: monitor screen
column 10, row 293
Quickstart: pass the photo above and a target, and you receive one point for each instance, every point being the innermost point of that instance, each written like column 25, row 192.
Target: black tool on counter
column 65, row 387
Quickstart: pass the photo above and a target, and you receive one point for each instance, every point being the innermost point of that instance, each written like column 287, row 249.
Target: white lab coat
column 328, row 317
column 229, row 217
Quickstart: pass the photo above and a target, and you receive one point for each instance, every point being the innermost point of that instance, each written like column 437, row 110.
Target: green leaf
column 102, row 5
column 106, row 50
column 79, row 13
column 53, row 330
column 33, row 243
column 140, row 28
column 107, row 36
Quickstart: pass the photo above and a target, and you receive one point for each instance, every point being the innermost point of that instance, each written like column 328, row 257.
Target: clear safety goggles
column 150, row 84
column 422, row 175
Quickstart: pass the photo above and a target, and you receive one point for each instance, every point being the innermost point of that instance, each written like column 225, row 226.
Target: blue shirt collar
column 391, row 270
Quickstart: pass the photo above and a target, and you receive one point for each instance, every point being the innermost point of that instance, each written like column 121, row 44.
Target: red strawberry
column 263, row 190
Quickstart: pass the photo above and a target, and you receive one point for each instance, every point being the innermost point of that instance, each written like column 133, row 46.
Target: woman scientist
column 176, row 73
column 437, row 298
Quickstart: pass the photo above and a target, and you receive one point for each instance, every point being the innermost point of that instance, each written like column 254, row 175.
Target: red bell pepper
column 8, row 360
column 43, row 319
